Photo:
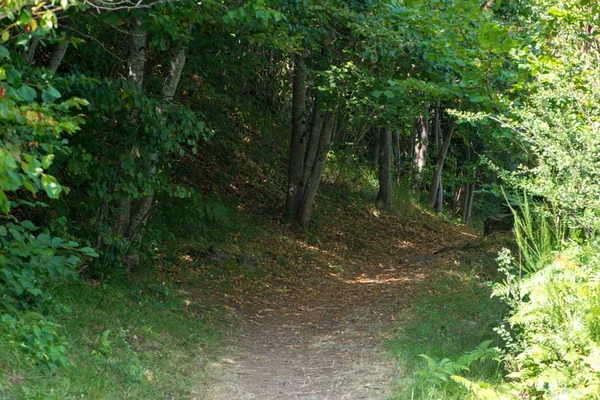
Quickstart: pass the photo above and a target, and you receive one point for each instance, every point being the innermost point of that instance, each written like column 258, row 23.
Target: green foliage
column 552, row 333
column 108, row 164
column 34, row 124
column 35, row 119
column 37, row 337
column 453, row 313
column 122, row 343
column 127, row 363
column 441, row 376
column 31, row 262
column 195, row 220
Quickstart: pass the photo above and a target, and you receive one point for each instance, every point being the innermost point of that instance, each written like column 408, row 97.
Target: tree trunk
column 469, row 195
column 57, row 55
column 122, row 215
column 421, row 149
column 168, row 93
column 440, row 197
column 29, row 54
column 313, row 143
column 385, row 168
column 465, row 194
column 397, row 153
column 376, row 146
column 135, row 64
column 334, row 130
column 137, row 54
column 340, row 132
column 312, row 186
column 437, row 175
column 468, row 204
column 457, row 199
column 437, row 128
column 297, row 143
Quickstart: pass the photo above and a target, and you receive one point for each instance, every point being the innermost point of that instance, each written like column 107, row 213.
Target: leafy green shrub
column 552, row 334
column 37, row 337
column 554, row 326
column 30, row 261
column 35, row 121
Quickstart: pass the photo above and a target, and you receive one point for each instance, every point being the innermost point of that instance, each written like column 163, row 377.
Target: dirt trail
column 320, row 337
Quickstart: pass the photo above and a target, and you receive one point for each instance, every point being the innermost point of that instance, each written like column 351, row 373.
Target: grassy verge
column 453, row 316
column 140, row 341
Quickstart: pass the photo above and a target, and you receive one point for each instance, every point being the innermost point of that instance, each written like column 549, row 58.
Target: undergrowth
column 448, row 330
column 135, row 340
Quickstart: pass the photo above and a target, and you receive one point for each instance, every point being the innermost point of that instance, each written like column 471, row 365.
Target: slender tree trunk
column 468, row 204
column 168, row 93
column 437, row 128
column 312, row 186
column 340, row 132
column 469, row 196
column 466, row 193
column 29, row 54
column 313, row 143
column 136, row 63
column 437, row 175
column 376, row 149
column 297, row 143
column 420, row 156
column 397, row 153
column 137, row 54
column 385, row 168
column 457, row 199
column 122, row 215
column 57, row 55
column 334, row 130
column 440, row 197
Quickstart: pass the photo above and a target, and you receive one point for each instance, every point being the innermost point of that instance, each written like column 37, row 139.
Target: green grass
column 137, row 342
column 453, row 316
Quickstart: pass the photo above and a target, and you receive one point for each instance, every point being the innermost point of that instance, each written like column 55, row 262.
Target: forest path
column 320, row 337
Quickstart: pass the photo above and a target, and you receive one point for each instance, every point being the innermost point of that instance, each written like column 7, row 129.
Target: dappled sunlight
column 302, row 244
column 468, row 234
column 385, row 279
column 404, row 244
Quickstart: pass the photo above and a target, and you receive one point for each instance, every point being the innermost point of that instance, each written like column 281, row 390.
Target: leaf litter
column 315, row 332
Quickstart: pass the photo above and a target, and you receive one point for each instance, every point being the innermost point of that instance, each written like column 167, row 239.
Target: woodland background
column 135, row 132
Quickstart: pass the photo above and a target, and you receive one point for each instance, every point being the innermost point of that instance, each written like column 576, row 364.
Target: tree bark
column 297, row 143
column 440, row 197
column 340, row 131
column 29, row 54
column 376, row 148
column 437, row 128
column 168, row 93
column 457, row 199
column 312, row 186
column 57, row 55
column 469, row 196
column 397, row 153
column 465, row 194
column 385, row 168
column 437, row 175
column 135, row 64
column 313, row 142
column 137, row 54
column 420, row 156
